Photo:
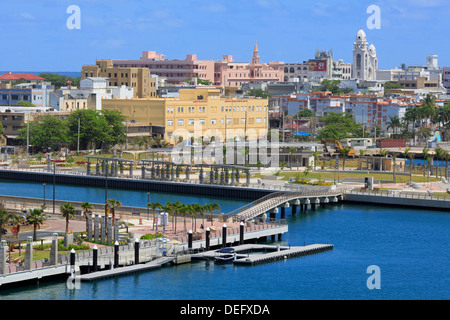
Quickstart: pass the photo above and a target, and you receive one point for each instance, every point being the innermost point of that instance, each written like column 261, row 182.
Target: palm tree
column 291, row 152
column 36, row 218
column 345, row 151
column 112, row 204
column 316, row 158
column 425, row 152
column 185, row 210
column 439, row 156
column 406, row 152
column 154, row 206
column 393, row 124
column 361, row 155
column 169, row 208
column 447, row 158
column 67, row 211
column 210, row 207
column 4, row 219
column 87, row 207
column 384, row 154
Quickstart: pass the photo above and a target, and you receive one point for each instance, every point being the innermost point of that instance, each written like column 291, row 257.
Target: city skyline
column 38, row 38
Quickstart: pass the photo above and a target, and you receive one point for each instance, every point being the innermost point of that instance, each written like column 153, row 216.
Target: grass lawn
column 38, row 254
column 351, row 175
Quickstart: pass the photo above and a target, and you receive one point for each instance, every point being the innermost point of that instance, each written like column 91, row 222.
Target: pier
column 126, row 270
column 245, row 254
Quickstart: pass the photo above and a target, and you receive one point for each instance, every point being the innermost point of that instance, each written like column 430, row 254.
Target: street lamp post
column 106, row 187
column 54, row 182
column 44, row 193
column 148, row 208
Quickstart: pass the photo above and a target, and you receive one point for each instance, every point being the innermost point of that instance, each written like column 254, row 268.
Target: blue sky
column 35, row 37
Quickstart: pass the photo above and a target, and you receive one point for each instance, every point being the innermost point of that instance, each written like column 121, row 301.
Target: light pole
column 54, row 182
column 148, row 208
column 106, row 187
column 44, row 192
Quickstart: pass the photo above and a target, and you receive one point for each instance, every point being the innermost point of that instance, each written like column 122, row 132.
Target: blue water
column 411, row 248
column 61, row 73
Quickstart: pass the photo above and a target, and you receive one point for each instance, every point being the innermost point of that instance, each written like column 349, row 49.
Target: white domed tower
column 365, row 60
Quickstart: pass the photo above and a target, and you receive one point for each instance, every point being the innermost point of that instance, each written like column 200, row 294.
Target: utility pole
column 78, row 142
column 28, row 135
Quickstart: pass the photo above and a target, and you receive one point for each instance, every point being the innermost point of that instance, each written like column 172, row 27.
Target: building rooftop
column 16, row 76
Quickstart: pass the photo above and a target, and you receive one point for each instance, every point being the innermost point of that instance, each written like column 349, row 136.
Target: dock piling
column 224, row 235
column 136, row 251
column 190, row 239
column 116, row 254
column 95, row 258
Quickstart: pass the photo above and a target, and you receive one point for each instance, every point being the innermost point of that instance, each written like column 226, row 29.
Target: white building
column 99, row 89
column 89, row 96
column 365, row 59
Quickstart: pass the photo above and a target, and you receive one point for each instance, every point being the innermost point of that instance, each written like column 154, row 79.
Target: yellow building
column 138, row 78
column 196, row 113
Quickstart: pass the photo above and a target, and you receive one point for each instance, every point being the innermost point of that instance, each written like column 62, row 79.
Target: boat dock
column 250, row 254
column 104, row 274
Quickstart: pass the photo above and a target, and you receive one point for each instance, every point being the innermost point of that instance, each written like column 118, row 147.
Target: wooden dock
column 105, row 274
column 245, row 254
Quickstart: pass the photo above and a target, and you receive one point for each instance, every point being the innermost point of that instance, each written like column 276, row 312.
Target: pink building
column 175, row 71
column 234, row 74
column 225, row 72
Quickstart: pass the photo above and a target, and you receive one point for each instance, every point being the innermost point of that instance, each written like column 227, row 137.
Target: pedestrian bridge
column 307, row 195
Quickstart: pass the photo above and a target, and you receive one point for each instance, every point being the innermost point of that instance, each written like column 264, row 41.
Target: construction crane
column 338, row 147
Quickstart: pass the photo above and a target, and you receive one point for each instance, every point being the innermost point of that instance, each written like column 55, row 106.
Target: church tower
column 255, row 58
column 365, row 59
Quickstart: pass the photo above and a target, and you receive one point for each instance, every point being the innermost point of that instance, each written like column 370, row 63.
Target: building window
column 201, row 121
column 191, row 121
column 213, row 121
column 170, row 122
column 180, row 122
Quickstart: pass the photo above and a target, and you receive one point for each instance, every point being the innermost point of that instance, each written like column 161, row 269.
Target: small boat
column 225, row 255
column 224, row 258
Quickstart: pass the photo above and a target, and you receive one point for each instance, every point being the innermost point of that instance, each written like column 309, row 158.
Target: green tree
column 60, row 80
column 389, row 86
column 116, row 120
column 67, row 210
column 86, row 206
column 94, row 129
column 440, row 155
column 25, row 104
column 210, row 207
column 393, row 123
column 345, row 152
column 112, row 205
column 361, row 157
column 45, row 133
column 154, row 206
column 305, row 113
column 258, row 93
column 36, row 217
column 339, row 126
column 4, row 220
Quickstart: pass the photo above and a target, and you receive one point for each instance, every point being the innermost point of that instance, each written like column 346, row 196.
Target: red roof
column 17, row 76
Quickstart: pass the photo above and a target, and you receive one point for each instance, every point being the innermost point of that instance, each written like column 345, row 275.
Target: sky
column 35, row 35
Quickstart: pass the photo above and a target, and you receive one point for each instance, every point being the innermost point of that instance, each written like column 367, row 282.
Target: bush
column 150, row 236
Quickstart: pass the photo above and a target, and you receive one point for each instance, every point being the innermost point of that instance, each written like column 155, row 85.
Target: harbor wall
column 138, row 184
